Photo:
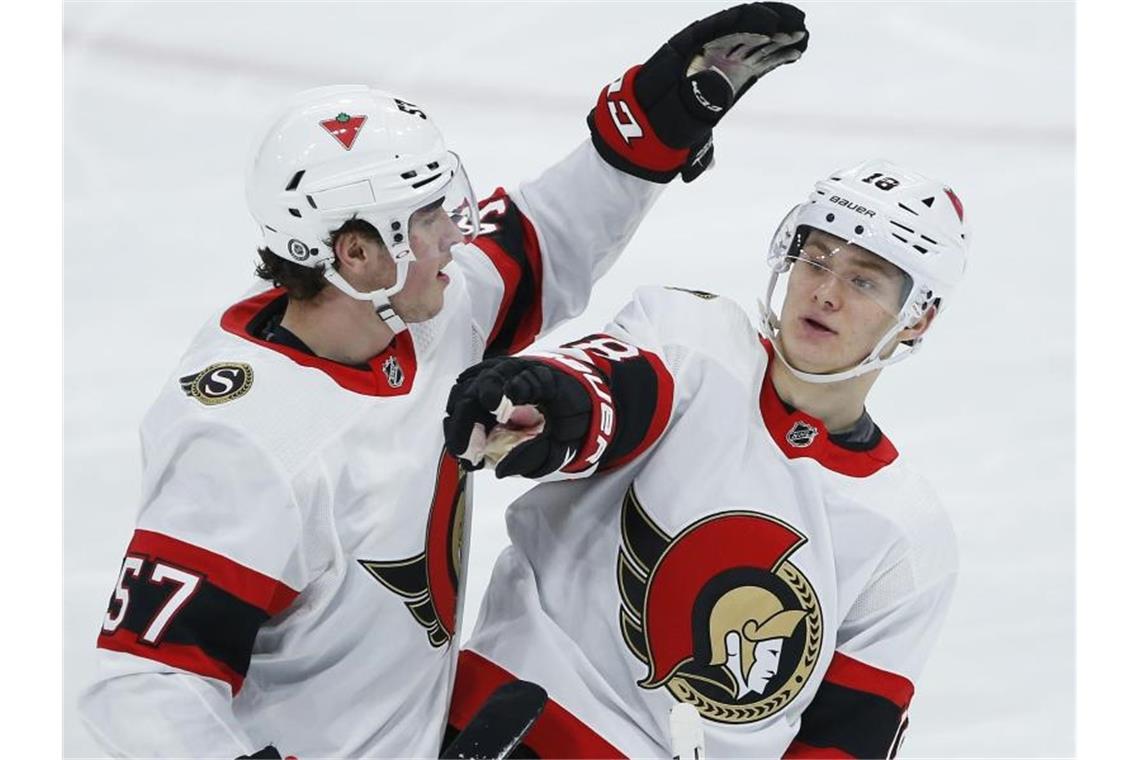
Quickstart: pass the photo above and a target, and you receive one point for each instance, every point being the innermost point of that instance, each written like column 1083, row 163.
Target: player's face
column 431, row 233
column 841, row 300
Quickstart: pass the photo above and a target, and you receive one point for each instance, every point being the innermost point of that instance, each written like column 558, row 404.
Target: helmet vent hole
column 433, row 165
column 900, row 237
column 932, row 242
column 293, row 183
column 312, row 202
column 408, row 174
column 904, row 208
column 904, row 227
column 920, row 249
column 295, row 212
column 423, row 182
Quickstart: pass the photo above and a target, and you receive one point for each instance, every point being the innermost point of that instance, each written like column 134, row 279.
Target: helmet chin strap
column 868, row 364
column 770, row 326
column 380, row 299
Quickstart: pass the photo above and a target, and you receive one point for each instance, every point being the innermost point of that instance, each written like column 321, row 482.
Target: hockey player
column 748, row 541
column 295, row 579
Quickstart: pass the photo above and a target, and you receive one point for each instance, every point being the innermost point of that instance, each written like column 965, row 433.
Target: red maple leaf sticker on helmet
column 344, row 128
column 957, row 204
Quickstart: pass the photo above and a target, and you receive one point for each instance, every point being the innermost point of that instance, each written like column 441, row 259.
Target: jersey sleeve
column 860, row 709
column 214, row 557
column 543, row 246
column 640, row 370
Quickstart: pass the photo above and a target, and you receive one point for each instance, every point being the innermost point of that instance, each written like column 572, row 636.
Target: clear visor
column 826, row 268
column 459, row 203
column 452, row 218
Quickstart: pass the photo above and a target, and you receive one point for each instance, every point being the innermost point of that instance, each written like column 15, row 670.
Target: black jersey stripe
column 512, row 246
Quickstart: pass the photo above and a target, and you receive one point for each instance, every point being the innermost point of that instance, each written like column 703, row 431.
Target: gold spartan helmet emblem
column 719, row 613
column 740, row 621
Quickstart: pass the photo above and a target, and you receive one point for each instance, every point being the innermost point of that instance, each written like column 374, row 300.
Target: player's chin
column 808, row 356
column 422, row 308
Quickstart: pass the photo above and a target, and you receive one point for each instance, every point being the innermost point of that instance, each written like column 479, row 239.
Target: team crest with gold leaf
column 719, row 614
column 218, row 383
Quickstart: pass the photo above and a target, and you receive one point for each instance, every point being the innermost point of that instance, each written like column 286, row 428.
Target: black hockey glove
column 478, row 392
column 656, row 120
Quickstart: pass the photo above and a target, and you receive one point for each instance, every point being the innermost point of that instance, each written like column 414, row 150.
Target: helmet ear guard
column 912, row 222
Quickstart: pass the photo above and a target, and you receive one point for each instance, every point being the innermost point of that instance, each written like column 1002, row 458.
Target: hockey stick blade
column 500, row 724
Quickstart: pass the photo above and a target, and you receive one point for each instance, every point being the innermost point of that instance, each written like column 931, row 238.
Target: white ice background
column 161, row 102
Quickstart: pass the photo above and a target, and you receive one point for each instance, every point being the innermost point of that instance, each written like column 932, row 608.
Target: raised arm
column 596, row 403
column 543, row 246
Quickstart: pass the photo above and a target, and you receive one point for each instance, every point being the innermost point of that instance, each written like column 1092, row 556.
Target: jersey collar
column 798, row 434
column 392, row 372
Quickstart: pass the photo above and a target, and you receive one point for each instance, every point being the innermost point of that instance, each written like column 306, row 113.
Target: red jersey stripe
column 182, row 656
column 510, row 265
column 252, row 587
column 849, row 672
column 798, row 750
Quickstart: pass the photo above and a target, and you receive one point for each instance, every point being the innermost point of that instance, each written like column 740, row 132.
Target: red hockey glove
column 565, row 406
column 656, row 120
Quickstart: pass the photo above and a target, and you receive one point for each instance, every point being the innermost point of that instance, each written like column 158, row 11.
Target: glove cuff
column 623, row 135
column 600, row 434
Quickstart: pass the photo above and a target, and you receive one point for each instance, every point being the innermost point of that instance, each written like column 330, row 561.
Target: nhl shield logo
column 393, row 371
column 719, row 614
column 801, row 435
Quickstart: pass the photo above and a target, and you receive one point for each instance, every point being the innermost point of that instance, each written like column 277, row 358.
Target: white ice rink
column 161, row 102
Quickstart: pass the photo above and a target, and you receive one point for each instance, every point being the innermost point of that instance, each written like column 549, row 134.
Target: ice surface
column 161, row 101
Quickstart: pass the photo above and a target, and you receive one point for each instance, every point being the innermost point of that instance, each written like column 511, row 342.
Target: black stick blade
column 500, row 724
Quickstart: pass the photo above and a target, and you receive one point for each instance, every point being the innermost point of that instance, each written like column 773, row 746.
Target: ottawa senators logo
column 718, row 613
column 218, row 383
column 429, row 581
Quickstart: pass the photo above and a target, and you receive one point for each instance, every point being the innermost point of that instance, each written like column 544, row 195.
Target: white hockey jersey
column 728, row 552
column 296, row 574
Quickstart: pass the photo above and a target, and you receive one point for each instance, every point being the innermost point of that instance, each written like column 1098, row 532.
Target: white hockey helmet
column 344, row 151
column 914, row 222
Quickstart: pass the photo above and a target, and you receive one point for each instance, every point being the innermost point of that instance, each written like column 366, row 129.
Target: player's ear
column 349, row 250
column 923, row 324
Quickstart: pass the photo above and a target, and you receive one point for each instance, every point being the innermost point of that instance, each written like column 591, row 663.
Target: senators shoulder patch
column 704, row 295
column 218, row 383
